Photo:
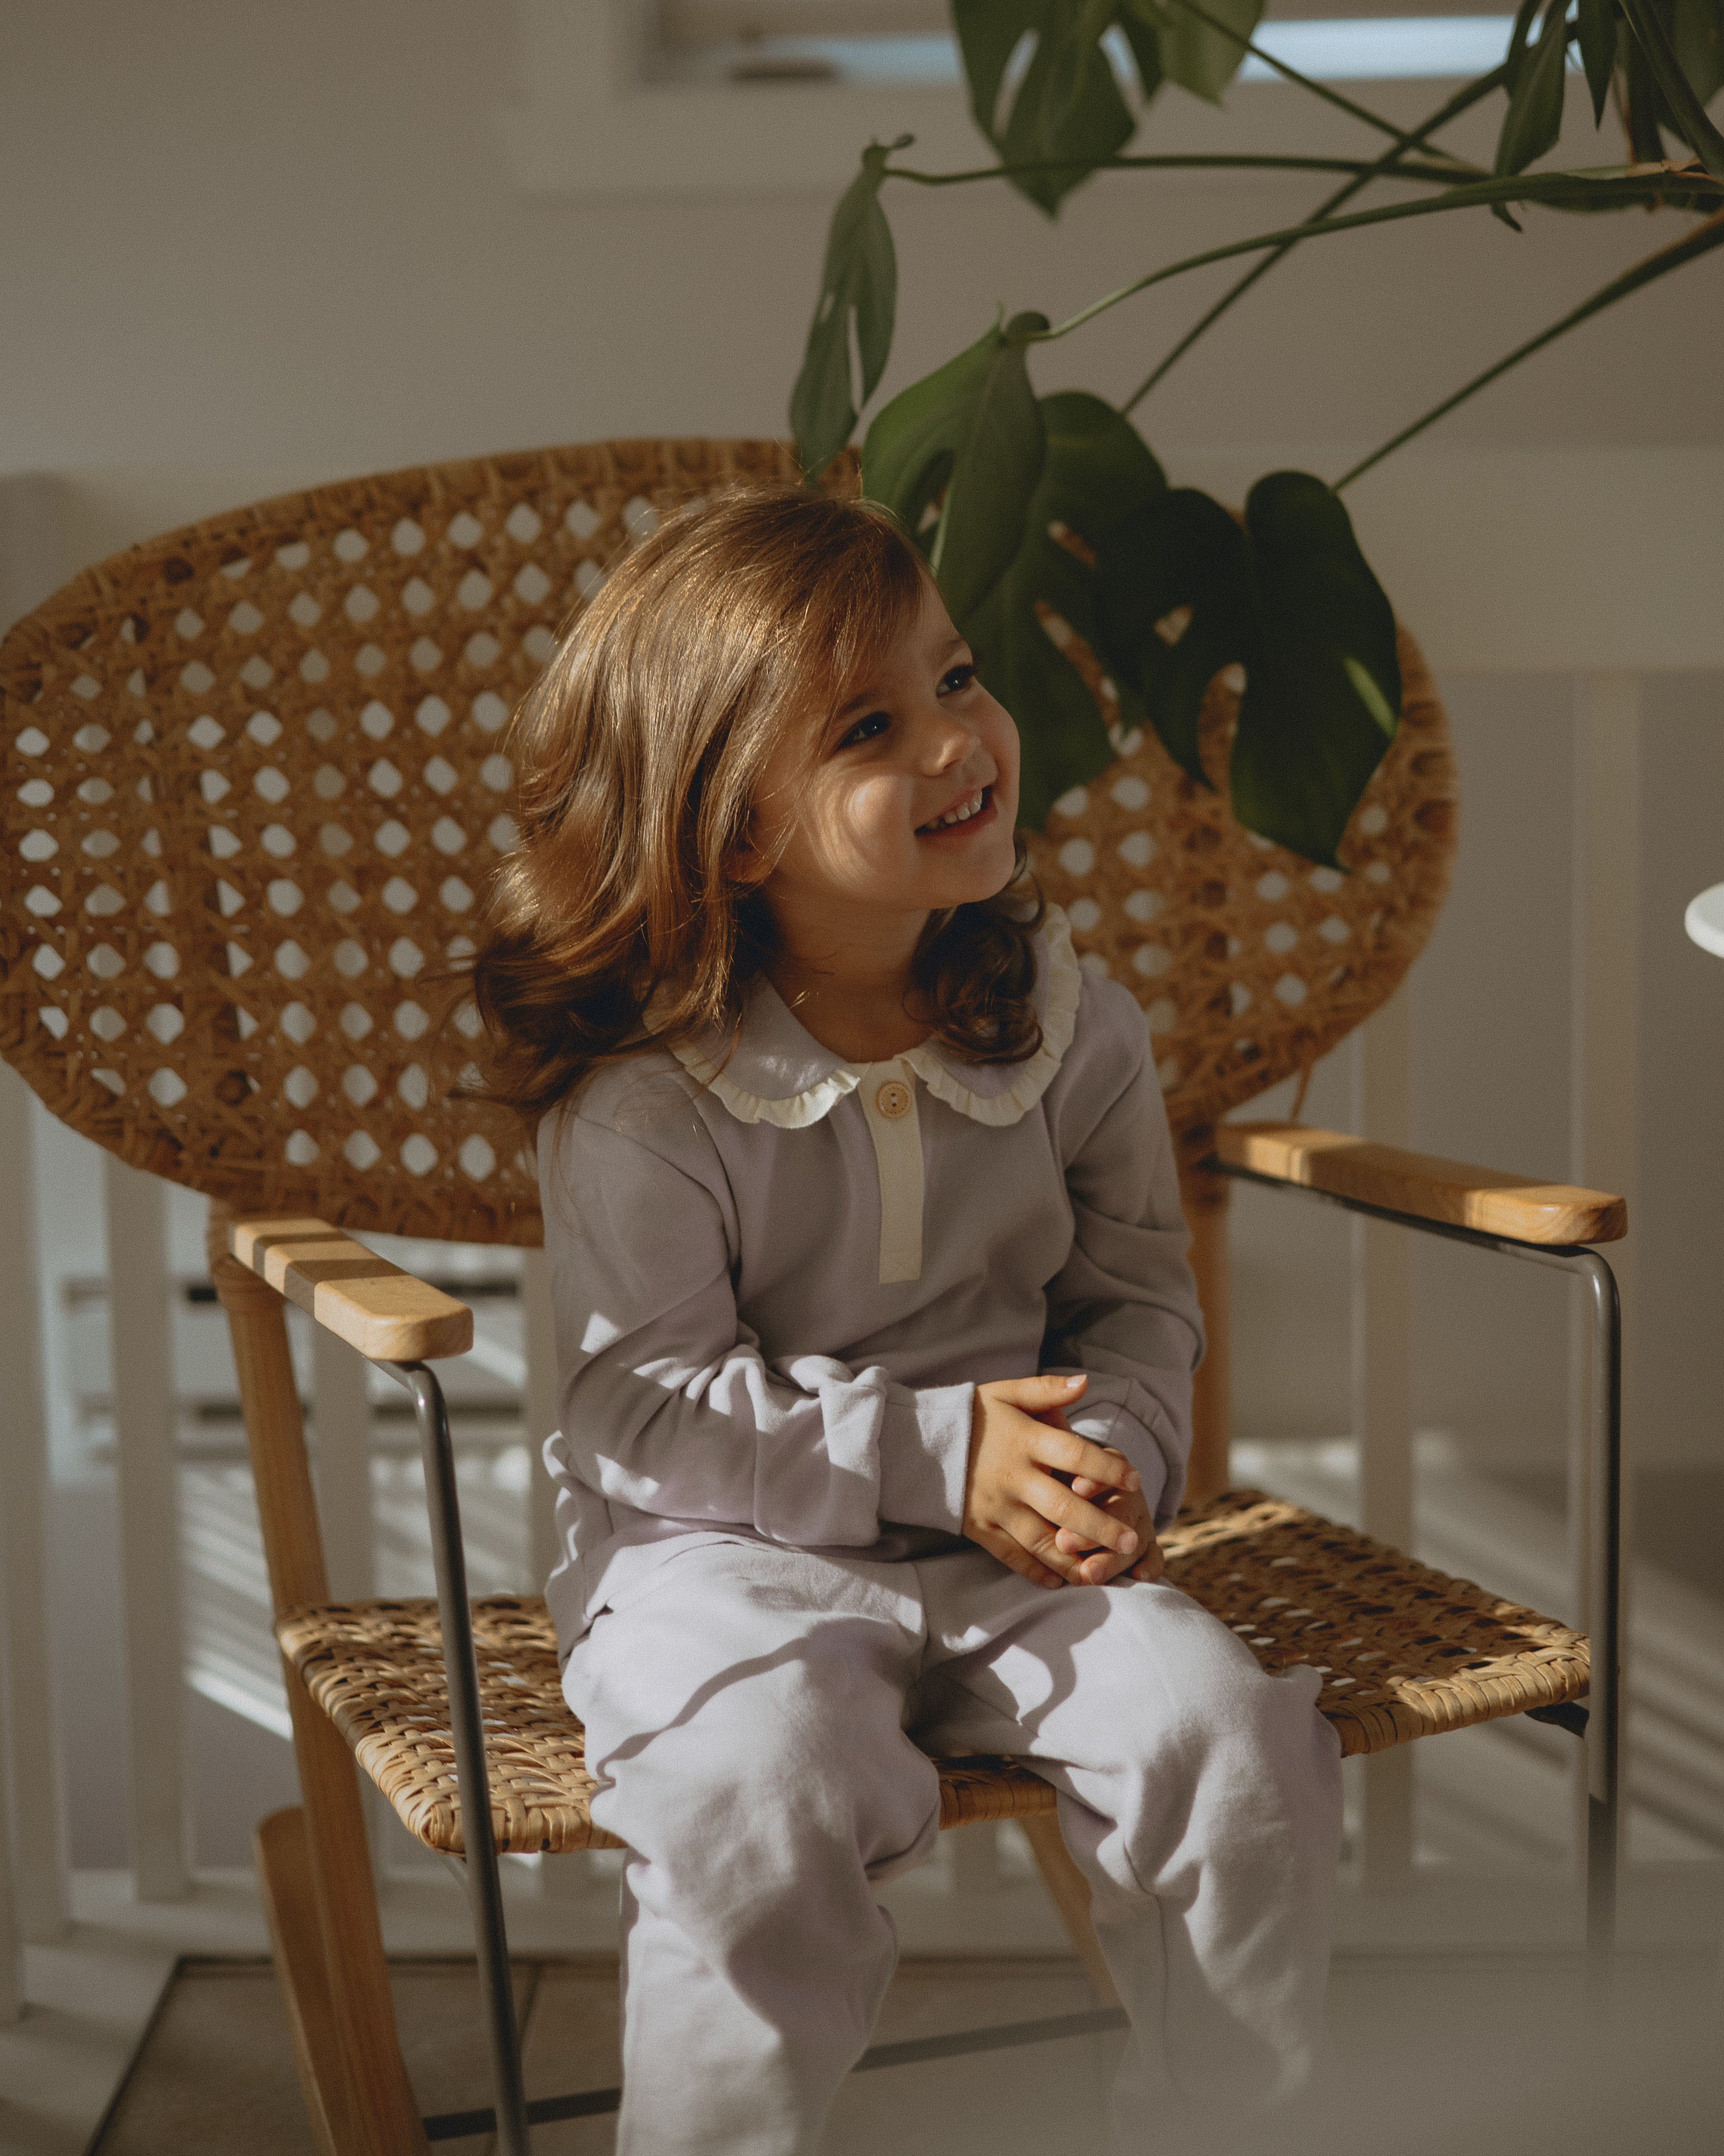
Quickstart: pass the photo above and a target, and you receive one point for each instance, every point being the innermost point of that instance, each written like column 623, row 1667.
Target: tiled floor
column 216, row 2073
column 1456, row 2055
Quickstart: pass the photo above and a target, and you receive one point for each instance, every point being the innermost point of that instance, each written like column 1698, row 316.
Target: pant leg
column 1201, row 1798
column 744, row 1711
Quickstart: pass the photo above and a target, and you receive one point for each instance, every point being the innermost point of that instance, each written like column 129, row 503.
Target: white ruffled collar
column 779, row 1073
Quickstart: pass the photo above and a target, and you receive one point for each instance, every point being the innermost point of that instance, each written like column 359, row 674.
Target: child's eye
column 876, row 722
column 960, row 677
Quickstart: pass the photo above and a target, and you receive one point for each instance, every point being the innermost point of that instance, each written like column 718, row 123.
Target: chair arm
column 1420, row 1184
column 387, row 1314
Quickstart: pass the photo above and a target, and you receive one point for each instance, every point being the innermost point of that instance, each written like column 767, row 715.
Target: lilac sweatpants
column 750, row 1712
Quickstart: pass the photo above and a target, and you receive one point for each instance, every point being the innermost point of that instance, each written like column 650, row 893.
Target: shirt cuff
column 925, row 1455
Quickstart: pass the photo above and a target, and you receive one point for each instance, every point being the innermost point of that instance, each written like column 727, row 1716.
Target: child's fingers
column 1033, row 1394
column 1059, row 1508
column 1073, row 1545
column 1075, row 1455
column 1127, row 1505
column 1097, row 1567
column 1011, row 1553
column 1036, row 1540
column 1079, row 1545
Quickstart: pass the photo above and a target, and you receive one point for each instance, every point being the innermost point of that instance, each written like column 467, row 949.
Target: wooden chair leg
column 283, row 1855
column 382, row 2118
column 345, row 1891
column 1070, row 1894
column 1204, row 1198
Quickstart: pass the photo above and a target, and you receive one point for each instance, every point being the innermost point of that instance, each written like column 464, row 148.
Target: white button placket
column 887, row 1092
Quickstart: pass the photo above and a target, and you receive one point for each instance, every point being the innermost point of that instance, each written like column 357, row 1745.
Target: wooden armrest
column 373, row 1306
column 1421, row 1184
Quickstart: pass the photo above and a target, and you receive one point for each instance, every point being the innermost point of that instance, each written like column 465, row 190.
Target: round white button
column 893, row 1100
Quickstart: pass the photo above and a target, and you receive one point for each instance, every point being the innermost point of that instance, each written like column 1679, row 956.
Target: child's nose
column 953, row 741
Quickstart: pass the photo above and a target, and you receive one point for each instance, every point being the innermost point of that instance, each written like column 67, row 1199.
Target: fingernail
column 1072, row 1384
column 1134, row 1481
column 1128, row 1542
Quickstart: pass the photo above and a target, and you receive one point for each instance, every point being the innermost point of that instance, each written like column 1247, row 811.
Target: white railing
column 34, row 1883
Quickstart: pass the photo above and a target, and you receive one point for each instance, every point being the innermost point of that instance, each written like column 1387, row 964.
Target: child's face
column 920, row 744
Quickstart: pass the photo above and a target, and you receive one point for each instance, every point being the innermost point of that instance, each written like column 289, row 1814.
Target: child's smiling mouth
column 974, row 810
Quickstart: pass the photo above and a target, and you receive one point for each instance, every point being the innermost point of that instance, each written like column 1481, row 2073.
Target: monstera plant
column 1047, row 518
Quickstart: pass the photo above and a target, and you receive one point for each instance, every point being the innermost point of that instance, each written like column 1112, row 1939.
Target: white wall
column 233, row 232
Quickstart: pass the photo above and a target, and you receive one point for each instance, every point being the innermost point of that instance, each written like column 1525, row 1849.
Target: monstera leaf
column 859, row 288
column 1068, row 106
column 956, row 458
column 1668, row 54
column 1174, row 607
column 1096, row 471
column 1184, row 591
column 1597, row 22
column 1065, row 114
column 1200, row 50
column 1323, row 697
column 1682, row 43
column 1535, row 84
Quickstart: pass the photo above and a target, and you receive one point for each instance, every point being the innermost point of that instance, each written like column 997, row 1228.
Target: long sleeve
column 1124, row 1307
column 668, row 1407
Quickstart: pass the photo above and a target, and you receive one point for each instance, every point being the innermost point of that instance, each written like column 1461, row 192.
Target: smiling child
column 875, row 1340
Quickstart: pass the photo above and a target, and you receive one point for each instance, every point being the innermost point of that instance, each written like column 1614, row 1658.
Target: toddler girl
column 875, row 1338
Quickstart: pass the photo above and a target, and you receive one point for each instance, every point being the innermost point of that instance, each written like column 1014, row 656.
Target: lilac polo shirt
column 777, row 1284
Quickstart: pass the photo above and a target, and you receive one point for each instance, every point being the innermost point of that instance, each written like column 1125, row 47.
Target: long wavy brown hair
column 638, row 754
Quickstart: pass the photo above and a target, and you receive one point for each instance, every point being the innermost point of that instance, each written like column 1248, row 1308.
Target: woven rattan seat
column 1405, row 1652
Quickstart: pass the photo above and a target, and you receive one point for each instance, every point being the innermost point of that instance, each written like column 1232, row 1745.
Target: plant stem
column 1560, row 188
column 1445, row 175
column 1388, row 166
column 1699, row 242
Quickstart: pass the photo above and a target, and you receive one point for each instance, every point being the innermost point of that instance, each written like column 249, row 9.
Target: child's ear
column 754, row 854
column 747, row 869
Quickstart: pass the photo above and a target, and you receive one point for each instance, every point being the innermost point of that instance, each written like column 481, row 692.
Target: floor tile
column 994, row 2102
column 571, row 2041
column 216, row 2072
column 1464, row 2055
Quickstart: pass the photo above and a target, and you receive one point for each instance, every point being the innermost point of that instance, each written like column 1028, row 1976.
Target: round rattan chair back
column 256, row 780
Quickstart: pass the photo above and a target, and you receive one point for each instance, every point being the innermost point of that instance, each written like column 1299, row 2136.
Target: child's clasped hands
column 1048, row 1503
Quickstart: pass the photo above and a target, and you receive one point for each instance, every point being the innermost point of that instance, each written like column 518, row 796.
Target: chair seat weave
column 1404, row 1651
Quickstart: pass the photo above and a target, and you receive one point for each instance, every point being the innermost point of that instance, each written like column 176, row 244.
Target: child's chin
column 981, row 879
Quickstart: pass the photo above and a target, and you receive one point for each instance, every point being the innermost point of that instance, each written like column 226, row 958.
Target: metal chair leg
column 1604, row 1593
column 467, row 1724
column 1604, row 1623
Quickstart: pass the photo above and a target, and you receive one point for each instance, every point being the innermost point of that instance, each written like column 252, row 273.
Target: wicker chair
column 254, row 784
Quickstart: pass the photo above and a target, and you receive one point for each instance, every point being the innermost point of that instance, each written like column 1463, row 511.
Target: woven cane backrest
column 255, row 781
